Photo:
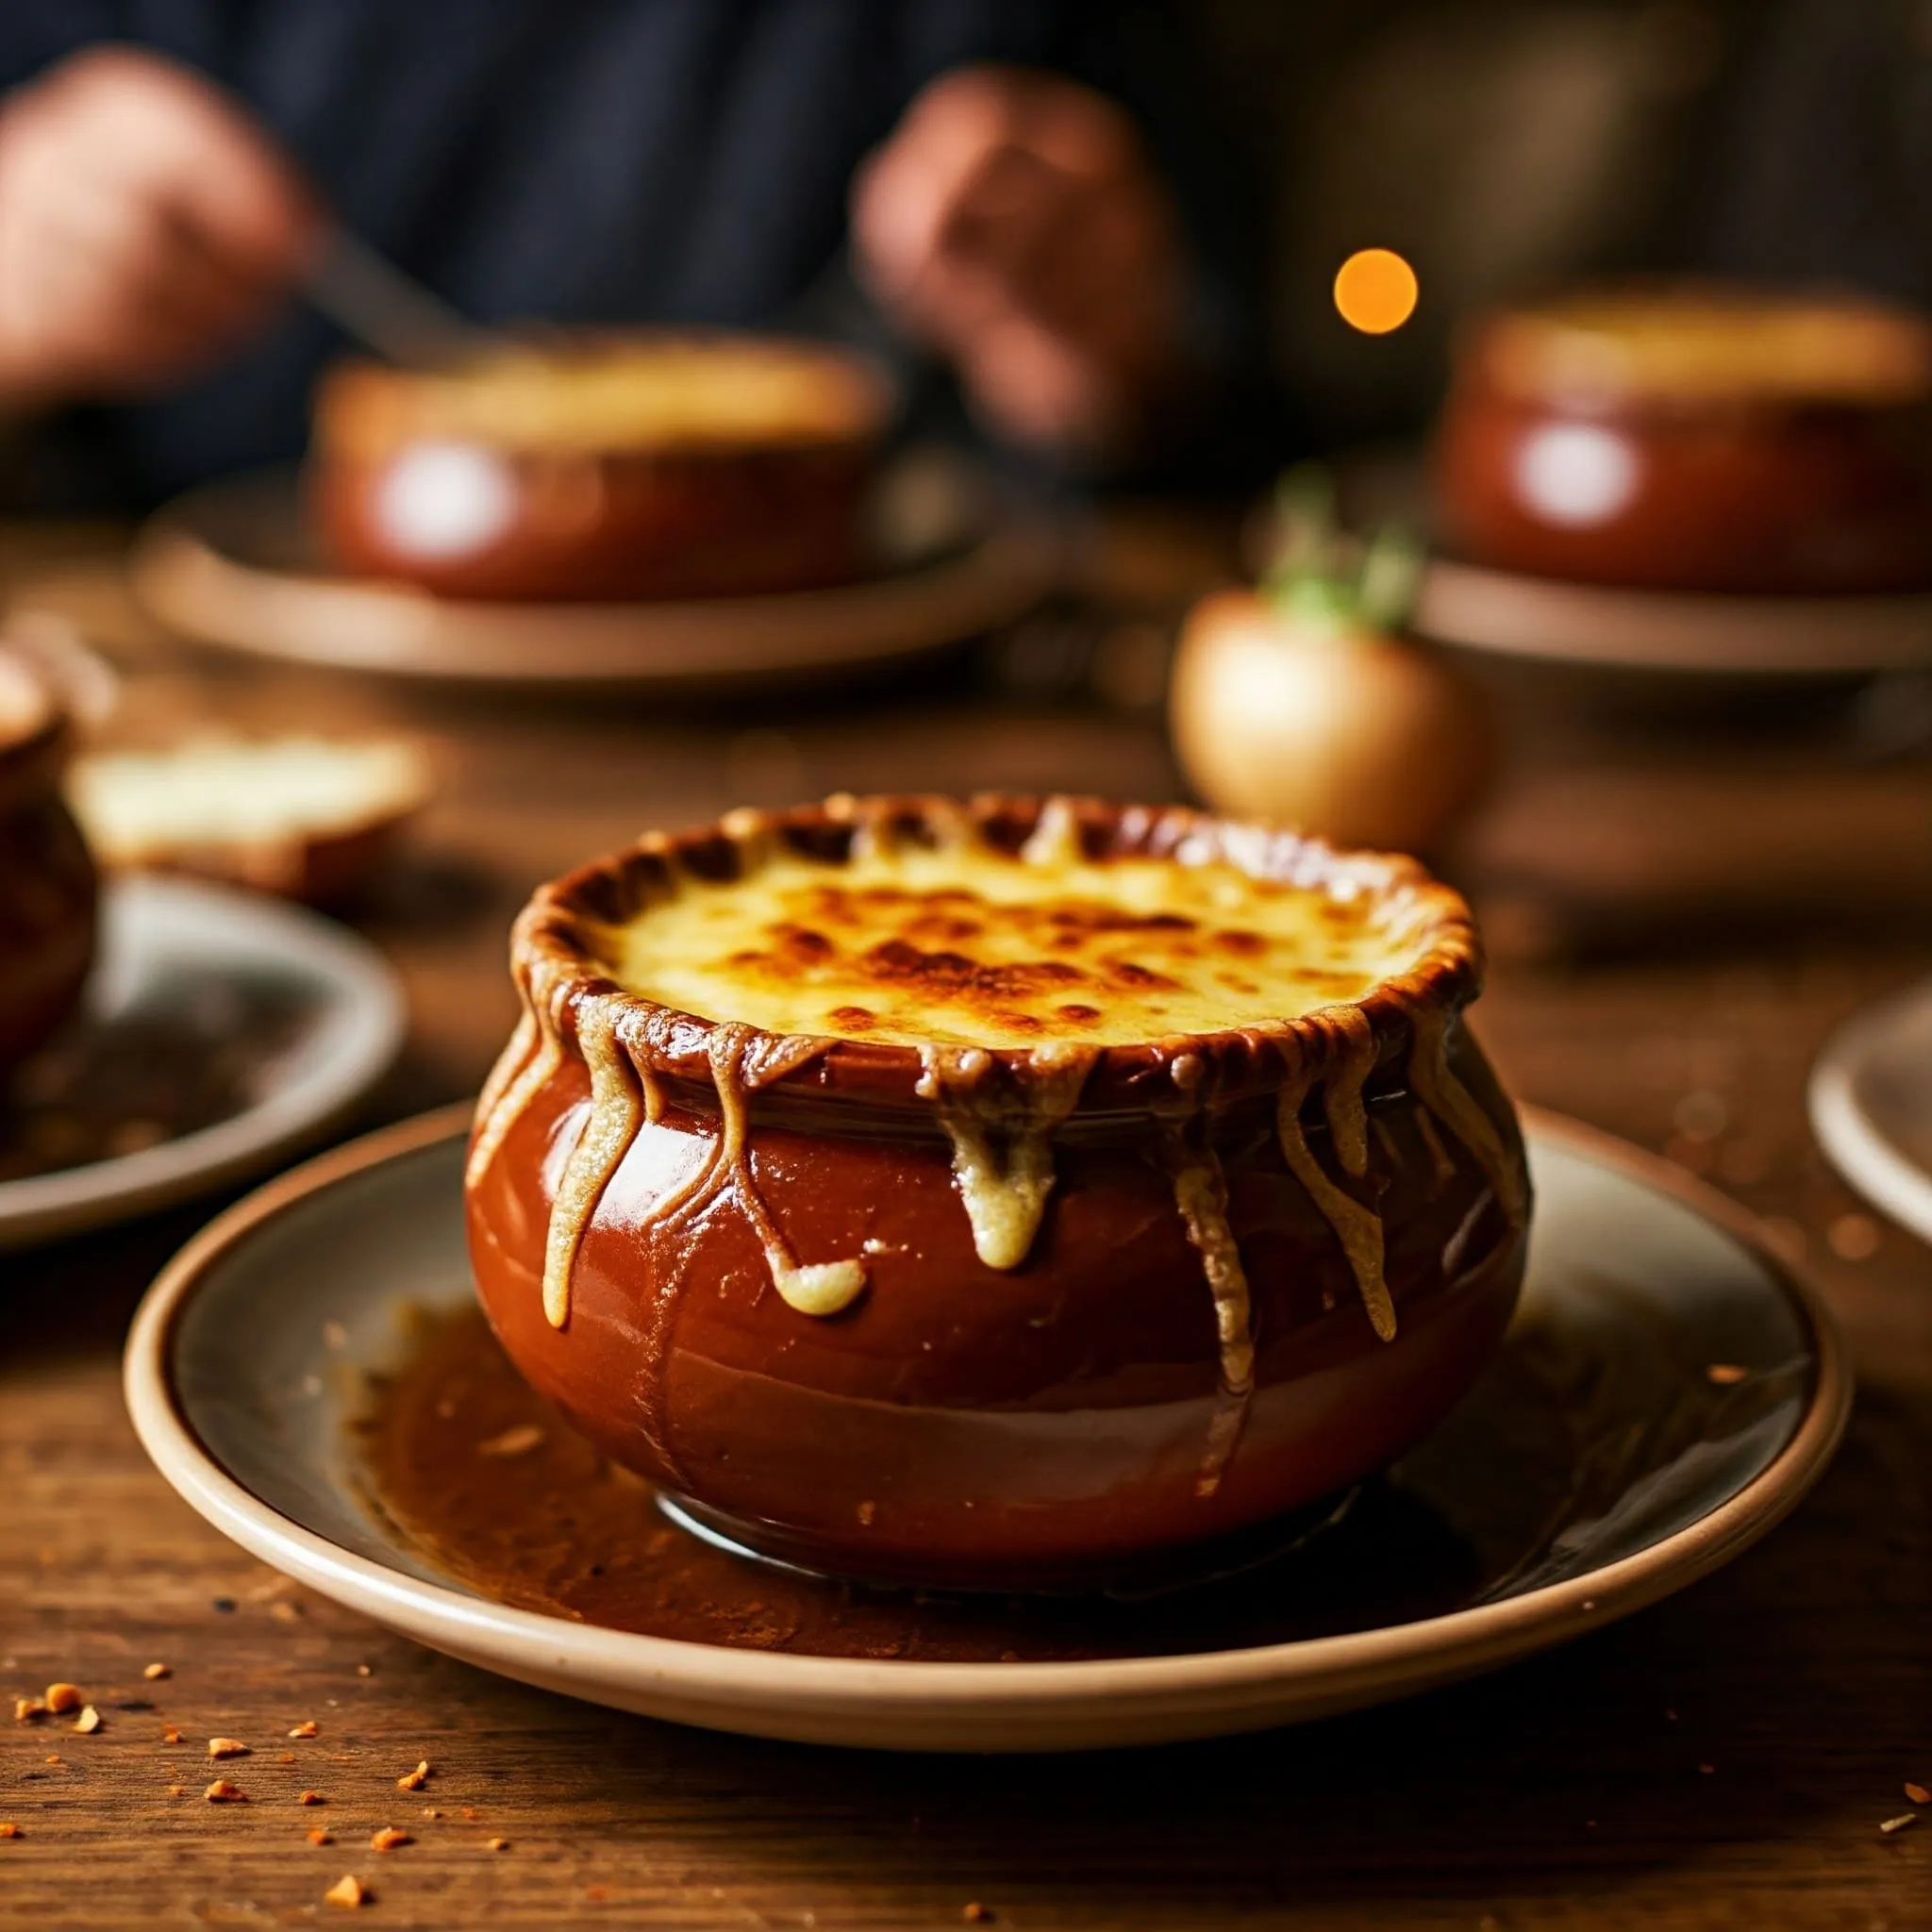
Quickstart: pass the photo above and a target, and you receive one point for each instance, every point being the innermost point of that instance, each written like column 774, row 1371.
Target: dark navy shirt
column 600, row 160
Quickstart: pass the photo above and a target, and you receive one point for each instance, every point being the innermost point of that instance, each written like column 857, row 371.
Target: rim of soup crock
column 1508, row 355
column 558, row 968
column 365, row 409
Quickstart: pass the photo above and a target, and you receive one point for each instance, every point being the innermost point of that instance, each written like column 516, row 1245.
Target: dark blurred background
column 682, row 162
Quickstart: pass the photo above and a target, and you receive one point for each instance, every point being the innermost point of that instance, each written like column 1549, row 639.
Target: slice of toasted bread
column 308, row 817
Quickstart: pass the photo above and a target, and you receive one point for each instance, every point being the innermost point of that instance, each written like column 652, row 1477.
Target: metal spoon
column 367, row 296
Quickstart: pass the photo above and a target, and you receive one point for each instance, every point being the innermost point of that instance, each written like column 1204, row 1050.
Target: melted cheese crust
column 969, row 947
column 1692, row 345
column 662, row 392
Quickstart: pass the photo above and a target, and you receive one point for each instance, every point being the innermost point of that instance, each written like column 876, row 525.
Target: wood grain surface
column 1680, row 910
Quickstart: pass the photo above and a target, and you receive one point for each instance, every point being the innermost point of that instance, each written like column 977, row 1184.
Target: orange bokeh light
column 1375, row 291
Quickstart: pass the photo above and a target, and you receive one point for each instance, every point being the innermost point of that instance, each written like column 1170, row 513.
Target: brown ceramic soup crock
column 1035, row 1313
column 1693, row 439
column 602, row 467
column 48, row 882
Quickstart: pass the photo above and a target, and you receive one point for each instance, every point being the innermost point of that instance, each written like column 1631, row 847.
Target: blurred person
column 1029, row 193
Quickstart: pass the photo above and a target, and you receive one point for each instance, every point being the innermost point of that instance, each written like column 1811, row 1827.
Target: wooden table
column 1675, row 910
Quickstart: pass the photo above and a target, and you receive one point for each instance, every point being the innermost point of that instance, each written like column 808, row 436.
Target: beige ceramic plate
column 237, row 564
column 1656, row 630
column 1600, row 1468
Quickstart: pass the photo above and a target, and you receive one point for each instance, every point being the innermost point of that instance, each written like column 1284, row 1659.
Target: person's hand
column 1014, row 222
column 146, row 228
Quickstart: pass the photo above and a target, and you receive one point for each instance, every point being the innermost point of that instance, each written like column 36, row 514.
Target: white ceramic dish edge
column 1862, row 1154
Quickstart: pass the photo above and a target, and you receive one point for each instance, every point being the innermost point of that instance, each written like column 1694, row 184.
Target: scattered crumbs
column 414, row 1780
column 1918, row 1794
column 27, row 1708
column 52, row 1757
column 596, row 1893
column 867, row 1511
column 468, row 1811
column 321, row 1835
column 226, row 1747
column 1707, row 1770
column 977, row 1914
column 1899, row 1823
column 347, row 1890
column 222, row 1792
column 498, row 1844
column 285, row 1757
column 89, row 1720
column 430, row 1811
column 64, row 1697
column 170, row 1736
column 1589, row 1603
column 312, row 1798
column 286, row 1613
column 364, row 1670
column 154, row 1671
column 1854, row 1236
column 10, row 1829
column 306, row 1728
column 517, row 1440
column 225, row 1604
column 1724, row 1374
column 387, row 1838
column 175, row 1790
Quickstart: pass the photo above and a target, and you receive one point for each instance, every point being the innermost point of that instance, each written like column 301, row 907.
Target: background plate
column 264, row 1022
column 237, row 564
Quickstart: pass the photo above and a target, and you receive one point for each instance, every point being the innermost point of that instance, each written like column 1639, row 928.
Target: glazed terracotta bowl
column 47, row 883
column 1094, row 1294
column 603, row 468
column 1693, row 440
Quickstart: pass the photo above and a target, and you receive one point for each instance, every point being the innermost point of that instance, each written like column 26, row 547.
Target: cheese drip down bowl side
column 1006, row 1316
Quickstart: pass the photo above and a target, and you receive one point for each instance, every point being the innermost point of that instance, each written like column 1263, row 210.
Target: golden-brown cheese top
column 668, row 392
column 968, row 946
column 1693, row 345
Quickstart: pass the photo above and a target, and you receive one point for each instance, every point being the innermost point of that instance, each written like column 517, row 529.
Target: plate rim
column 98, row 1193
column 997, row 575
column 1431, row 1650
column 1864, row 1156
column 1805, row 635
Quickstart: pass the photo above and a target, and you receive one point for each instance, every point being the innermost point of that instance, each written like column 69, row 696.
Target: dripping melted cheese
column 969, row 947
